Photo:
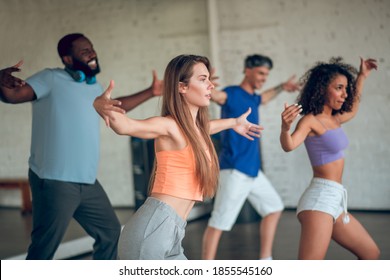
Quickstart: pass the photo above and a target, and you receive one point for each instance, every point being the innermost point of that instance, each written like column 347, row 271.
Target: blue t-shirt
column 238, row 152
column 65, row 139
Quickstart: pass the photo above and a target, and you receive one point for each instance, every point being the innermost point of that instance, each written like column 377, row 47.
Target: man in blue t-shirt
column 241, row 177
column 64, row 151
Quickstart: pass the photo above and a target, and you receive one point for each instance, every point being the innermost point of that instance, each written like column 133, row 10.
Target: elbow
column 118, row 130
column 287, row 144
column 13, row 96
column 121, row 132
column 286, row 149
column 9, row 101
column 4, row 99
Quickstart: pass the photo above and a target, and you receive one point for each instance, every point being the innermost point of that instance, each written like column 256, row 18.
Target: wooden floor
column 240, row 243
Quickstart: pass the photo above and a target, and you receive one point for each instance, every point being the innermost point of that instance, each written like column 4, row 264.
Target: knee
column 111, row 235
column 372, row 254
column 375, row 253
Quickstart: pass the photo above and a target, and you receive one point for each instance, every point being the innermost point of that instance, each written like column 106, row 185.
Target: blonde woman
column 186, row 168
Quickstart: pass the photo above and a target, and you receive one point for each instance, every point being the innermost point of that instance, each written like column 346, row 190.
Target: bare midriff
column 332, row 171
column 180, row 205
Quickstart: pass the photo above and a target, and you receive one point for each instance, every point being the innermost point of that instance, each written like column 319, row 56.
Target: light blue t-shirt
column 238, row 152
column 65, row 139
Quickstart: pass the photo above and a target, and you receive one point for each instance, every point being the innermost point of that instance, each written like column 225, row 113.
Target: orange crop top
column 175, row 174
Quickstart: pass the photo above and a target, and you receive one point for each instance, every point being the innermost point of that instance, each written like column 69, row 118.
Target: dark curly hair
column 316, row 81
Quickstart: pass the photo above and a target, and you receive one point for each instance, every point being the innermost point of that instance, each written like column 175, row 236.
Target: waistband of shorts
column 153, row 202
column 329, row 183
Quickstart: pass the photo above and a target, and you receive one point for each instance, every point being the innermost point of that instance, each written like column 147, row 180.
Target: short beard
column 79, row 65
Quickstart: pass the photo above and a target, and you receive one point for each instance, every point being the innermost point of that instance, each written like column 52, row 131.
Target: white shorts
column 326, row 196
column 234, row 188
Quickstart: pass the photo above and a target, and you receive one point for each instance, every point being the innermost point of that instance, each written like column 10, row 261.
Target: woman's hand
column 104, row 105
column 247, row 129
column 289, row 115
column 367, row 65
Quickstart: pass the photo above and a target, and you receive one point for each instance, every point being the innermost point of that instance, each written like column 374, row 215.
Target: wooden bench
column 24, row 186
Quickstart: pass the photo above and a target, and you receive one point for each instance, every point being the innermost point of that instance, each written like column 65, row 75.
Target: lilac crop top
column 326, row 147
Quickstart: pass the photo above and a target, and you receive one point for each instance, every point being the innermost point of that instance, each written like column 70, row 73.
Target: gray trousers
column 55, row 203
column 154, row 232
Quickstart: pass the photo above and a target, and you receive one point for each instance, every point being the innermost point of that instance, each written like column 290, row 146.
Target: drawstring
column 346, row 216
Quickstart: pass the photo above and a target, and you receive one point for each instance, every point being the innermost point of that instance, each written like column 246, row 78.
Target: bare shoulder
column 306, row 120
column 175, row 140
column 311, row 123
column 307, row 123
column 169, row 125
column 168, row 121
column 343, row 118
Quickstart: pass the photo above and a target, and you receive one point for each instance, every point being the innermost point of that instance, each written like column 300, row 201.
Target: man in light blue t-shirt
column 241, row 177
column 64, row 152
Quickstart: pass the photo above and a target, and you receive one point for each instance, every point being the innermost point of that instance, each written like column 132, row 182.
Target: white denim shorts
column 326, row 196
column 234, row 188
column 154, row 232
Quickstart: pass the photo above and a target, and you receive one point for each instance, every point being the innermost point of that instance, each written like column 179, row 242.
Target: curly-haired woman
column 330, row 97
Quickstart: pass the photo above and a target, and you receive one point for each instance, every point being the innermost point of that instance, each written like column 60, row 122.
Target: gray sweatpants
column 154, row 232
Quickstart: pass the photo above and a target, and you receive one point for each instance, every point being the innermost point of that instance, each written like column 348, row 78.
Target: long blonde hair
column 174, row 105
